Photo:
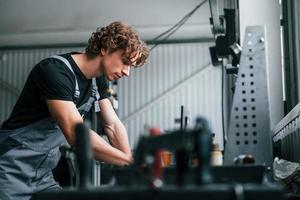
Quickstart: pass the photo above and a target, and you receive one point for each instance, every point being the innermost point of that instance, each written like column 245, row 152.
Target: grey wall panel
column 175, row 75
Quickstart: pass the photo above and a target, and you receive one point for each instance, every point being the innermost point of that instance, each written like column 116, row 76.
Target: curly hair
column 118, row 36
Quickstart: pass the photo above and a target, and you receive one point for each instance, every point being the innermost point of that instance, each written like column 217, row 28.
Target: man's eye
column 125, row 62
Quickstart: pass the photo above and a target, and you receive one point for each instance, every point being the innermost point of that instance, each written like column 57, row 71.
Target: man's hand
column 67, row 117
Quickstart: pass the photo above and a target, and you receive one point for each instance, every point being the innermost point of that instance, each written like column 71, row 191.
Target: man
column 58, row 93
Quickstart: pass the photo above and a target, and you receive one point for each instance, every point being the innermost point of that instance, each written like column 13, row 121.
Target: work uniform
column 29, row 147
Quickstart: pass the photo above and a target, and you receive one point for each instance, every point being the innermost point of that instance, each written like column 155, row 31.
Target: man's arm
column 114, row 128
column 67, row 116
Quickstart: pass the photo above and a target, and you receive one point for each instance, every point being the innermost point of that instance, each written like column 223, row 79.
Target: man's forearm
column 118, row 137
column 114, row 128
column 107, row 153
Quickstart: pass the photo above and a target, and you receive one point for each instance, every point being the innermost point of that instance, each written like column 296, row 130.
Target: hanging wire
column 174, row 28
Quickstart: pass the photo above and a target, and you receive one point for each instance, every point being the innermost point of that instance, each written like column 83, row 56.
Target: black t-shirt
column 51, row 79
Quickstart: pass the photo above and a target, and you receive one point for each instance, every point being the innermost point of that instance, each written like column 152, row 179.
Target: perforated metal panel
column 249, row 128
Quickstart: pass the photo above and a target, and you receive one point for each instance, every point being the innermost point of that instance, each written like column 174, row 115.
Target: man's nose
column 126, row 70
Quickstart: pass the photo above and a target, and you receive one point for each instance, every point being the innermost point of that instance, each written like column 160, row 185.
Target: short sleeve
column 55, row 80
column 103, row 86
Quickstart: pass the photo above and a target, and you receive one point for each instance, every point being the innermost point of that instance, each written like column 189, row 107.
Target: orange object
column 166, row 158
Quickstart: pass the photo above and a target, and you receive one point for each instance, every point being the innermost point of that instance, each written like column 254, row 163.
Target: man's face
column 113, row 66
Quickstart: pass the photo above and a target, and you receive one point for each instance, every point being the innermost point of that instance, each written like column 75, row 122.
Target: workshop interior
column 213, row 114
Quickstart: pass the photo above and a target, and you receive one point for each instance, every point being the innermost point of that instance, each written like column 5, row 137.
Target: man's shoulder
column 51, row 67
column 50, row 62
column 51, row 72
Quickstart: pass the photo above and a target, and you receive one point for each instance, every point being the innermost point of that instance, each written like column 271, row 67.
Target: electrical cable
column 222, row 105
column 170, row 29
column 174, row 28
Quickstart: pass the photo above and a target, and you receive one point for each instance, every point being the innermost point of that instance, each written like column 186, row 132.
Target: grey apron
column 29, row 154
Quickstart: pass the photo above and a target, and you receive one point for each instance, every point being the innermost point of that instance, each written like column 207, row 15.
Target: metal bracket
column 217, row 27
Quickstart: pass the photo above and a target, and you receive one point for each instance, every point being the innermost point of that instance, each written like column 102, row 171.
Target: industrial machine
column 148, row 179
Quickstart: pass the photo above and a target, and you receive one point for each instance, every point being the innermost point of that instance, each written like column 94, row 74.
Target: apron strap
column 95, row 94
column 77, row 92
column 94, row 99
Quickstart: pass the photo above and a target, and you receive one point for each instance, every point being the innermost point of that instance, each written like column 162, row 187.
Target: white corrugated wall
column 175, row 75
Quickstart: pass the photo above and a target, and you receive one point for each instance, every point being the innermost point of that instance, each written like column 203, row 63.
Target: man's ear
column 103, row 52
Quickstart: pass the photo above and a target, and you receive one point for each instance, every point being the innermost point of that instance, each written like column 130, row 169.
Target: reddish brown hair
column 118, row 36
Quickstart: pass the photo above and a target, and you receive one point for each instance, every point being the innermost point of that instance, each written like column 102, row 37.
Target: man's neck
column 88, row 66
